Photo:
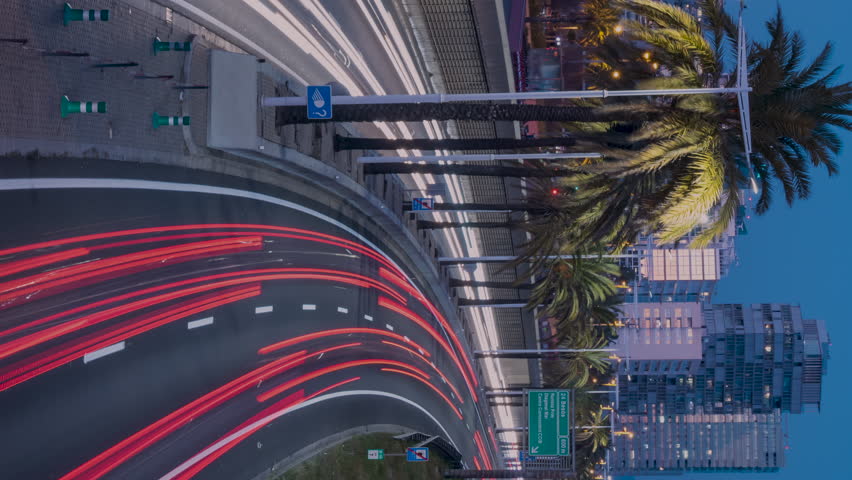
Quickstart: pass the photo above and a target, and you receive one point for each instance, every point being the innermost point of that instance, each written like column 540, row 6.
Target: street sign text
column 549, row 422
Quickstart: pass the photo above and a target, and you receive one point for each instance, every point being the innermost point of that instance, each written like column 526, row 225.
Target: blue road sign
column 319, row 102
column 524, row 456
column 422, row 203
column 417, row 454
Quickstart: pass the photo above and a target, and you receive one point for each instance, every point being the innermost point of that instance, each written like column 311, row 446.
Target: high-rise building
column 704, row 387
column 675, row 272
column 699, row 442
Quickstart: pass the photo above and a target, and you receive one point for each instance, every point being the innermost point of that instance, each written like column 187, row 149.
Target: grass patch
column 349, row 460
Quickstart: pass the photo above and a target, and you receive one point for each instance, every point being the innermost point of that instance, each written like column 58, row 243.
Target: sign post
column 319, row 102
column 375, row 454
column 549, row 422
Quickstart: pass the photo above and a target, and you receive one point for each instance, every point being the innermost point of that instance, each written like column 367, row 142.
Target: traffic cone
column 158, row 121
column 67, row 106
column 161, row 46
column 70, row 14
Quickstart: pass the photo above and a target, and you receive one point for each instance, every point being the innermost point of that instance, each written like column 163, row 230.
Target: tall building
column 705, row 387
column 675, row 272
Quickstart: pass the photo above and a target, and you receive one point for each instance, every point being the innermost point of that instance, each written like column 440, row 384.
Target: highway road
column 363, row 45
column 157, row 322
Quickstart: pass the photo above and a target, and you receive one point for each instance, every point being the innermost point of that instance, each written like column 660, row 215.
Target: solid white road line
column 199, row 323
column 265, row 309
column 342, row 310
column 389, row 326
column 92, row 356
column 309, row 306
column 124, row 184
column 273, row 416
column 368, row 318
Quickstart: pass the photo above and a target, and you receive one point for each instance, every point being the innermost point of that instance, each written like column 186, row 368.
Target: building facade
column 675, row 272
column 704, row 387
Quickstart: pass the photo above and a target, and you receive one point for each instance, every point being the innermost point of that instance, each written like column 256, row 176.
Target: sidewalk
column 33, row 84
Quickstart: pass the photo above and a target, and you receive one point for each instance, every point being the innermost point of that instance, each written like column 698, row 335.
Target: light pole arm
column 484, row 97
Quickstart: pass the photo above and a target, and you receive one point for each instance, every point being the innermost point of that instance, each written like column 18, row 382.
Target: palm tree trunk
column 455, row 282
column 491, row 302
column 559, row 19
column 430, row 225
column 353, row 143
column 416, row 112
column 541, row 355
column 509, row 474
column 470, row 170
column 515, row 207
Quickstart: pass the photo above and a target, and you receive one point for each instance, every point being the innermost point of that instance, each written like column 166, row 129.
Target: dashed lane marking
column 203, row 322
column 92, row 356
column 265, row 309
column 342, row 310
column 309, row 306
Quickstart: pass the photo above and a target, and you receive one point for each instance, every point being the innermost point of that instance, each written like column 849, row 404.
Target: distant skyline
column 798, row 255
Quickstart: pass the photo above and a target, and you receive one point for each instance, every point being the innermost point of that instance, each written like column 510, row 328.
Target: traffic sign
column 417, row 454
column 422, row 203
column 525, row 457
column 319, row 102
column 549, row 422
column 376, row 454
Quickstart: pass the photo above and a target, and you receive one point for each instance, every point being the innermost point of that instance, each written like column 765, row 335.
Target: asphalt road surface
column 362, row 45
column 161, row 323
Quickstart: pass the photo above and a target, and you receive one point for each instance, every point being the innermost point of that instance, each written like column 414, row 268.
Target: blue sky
column 799, row 255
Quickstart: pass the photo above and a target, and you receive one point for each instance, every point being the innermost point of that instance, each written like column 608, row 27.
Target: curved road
column 152, row 327
column 360, row 44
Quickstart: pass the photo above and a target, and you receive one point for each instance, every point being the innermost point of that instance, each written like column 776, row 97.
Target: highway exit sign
column 549, row 422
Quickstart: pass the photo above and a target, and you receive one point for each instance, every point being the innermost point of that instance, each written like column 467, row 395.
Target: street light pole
column 484, row 97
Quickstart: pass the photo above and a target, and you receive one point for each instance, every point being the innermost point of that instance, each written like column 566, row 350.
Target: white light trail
column 393, row 44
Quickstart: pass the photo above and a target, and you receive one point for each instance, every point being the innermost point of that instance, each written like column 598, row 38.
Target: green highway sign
column 375, row 454
column 549, row 422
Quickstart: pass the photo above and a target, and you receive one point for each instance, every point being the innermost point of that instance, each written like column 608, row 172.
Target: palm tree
column 599, row 22
column 569, row 288
column 690, row 158
column 794, row 107
column 595, row 438
column 576, row 370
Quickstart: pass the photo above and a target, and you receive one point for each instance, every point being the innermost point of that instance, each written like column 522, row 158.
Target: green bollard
column 67, row 107
column 80, row 15
column 161, row 46
column 158, row 121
